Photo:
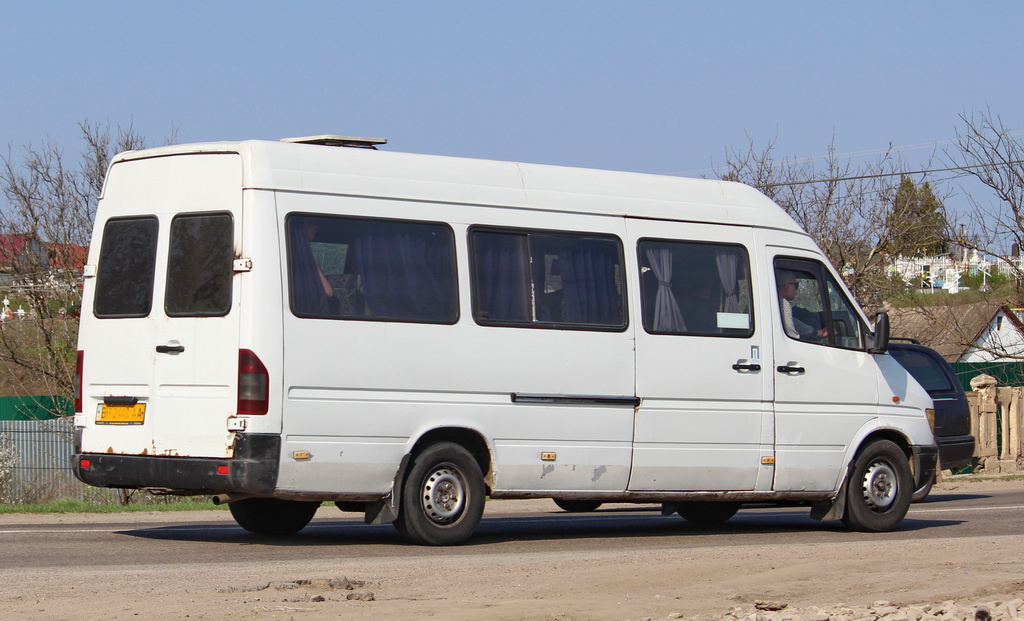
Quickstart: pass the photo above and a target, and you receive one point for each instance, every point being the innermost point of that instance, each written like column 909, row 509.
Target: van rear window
column 373, row 270
column 127, row 263
column 199, row 266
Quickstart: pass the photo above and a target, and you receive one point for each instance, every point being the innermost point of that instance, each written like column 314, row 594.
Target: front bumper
column 253, row 470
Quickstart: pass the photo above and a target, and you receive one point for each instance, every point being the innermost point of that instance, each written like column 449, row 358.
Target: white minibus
column 282, row 324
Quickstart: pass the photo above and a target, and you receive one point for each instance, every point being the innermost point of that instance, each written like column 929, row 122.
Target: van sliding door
column 705, row 422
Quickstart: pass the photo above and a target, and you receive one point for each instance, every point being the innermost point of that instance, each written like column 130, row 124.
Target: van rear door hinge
column 242, row 265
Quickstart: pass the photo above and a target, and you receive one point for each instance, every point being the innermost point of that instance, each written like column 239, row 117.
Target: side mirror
column 880, row 339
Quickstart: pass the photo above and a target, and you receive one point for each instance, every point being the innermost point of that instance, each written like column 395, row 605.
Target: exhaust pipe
column 223, row 499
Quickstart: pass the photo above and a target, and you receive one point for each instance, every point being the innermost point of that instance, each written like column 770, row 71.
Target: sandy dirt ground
column 704, row 583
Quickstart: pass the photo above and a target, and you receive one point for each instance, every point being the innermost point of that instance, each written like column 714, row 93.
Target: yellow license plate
column 121, row 414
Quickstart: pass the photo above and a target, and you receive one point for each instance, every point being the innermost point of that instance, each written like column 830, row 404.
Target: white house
column 1001, row 339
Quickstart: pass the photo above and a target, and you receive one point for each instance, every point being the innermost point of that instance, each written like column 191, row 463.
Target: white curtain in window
column 728, row 261
column 667, row 317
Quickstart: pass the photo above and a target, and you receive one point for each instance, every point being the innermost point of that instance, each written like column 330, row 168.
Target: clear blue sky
column 662, row 87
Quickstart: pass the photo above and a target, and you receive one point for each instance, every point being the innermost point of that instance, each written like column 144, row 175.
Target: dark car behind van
column 952, row 414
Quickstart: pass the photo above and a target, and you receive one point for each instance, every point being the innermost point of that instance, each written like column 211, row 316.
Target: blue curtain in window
column 502, row 287
column 406, row 275
column 308, row 295
column 588, row 280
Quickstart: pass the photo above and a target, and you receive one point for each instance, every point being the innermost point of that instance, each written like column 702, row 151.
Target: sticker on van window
column 734, row 321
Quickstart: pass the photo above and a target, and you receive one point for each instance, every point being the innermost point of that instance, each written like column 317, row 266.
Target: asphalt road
column 506, row 529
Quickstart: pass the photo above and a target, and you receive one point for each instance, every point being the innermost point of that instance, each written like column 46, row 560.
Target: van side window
column 199, row 266
column 695, row 288
column 547, row 280
column 813, row 307
column 127, row 265
column 369, row 269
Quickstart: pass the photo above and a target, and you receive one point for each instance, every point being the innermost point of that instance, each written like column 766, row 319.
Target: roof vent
column 329, row 140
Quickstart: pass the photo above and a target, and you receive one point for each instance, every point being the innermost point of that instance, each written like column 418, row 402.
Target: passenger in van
column 311, row 291
column 311, row 228
column 798, row 322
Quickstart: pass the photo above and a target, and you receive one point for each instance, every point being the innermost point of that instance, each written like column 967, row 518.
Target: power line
column 893, row 174
column 852, row 154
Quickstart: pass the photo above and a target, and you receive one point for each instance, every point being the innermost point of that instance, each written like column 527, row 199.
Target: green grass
column 71, row 505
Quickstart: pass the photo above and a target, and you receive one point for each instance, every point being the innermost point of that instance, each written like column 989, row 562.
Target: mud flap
column 833, row 510
column 385, row 510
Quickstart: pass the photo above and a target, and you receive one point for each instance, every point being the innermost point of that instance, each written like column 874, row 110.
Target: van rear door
column 159, row 335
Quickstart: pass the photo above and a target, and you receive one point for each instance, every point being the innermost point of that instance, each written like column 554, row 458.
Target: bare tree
column 853, row 213
column 987, row 151
column 44, row 232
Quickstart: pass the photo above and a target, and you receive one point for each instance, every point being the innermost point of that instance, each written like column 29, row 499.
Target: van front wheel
column 442, row 496
column 272, row 516
column 879, row 490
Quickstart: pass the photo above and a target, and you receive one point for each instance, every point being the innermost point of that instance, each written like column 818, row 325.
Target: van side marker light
column 548, row 456
column 768, row 461
column 895, row 399
column 301, row 455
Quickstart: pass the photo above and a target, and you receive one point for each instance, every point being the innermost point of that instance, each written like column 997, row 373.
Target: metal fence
column 36, row 456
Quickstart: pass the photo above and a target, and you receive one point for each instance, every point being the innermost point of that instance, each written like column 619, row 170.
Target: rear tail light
column 253, row 384
column 78, row 381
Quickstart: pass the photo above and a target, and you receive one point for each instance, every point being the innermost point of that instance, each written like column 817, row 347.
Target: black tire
column 442, row 496
column 577, row 506
column 272, row 516
column 879, row 489
column 707, row 513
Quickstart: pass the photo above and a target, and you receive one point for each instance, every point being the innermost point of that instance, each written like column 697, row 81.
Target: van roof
column 288, row 166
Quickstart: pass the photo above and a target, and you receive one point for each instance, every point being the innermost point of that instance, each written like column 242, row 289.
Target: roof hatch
column 330, row 140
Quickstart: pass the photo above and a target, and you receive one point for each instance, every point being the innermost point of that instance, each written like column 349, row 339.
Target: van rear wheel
column 879, row 489
column 707, row 513
column 272, row 516
column 442, row 496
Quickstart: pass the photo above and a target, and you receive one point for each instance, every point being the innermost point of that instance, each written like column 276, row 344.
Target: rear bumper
column 253, row 469
column 955, row 451
column 926, row 460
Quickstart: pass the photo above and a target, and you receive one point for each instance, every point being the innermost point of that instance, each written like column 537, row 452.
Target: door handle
column 746, row 366
column 790, row 369
column 170, row 349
